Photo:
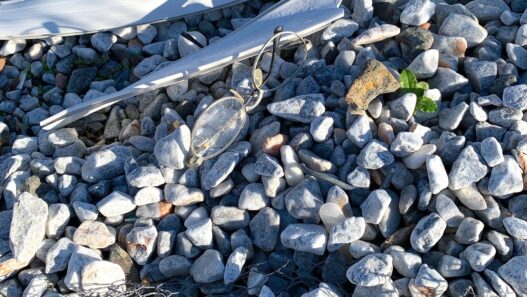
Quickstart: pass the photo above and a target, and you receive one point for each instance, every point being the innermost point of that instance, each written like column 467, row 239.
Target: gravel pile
column 438, row 205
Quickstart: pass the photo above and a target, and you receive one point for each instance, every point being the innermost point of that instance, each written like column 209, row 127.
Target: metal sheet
column 302, row 16
column 30, row 19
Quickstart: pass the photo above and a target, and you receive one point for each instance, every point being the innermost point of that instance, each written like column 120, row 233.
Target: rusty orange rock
column 374, row 81
column 273, row 144
column 165, row 208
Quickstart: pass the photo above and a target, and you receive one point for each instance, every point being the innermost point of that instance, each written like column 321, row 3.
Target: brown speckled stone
column 374, row 81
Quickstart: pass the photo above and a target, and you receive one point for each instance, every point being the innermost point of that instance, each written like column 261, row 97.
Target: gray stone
column 492, row 152
column 447, row 81
column 387, row 289
column 359, row 177
column 513, row 272
column 171, row 150
column 517, row 207
column 469, row 231
column 175, row 266
column 521, row 36
column 80, row 79
column 417, row 12
column 103, row 41
column 481, row 74
column 450, row 266
column 12, row 46
column 305, row 238
column 146, row 33
column 69, row 165
column 437, row 175
column 481, row 286
column 372, row 270
column 448, row 211
column 427, row 233
column 58, row 218
column 94, row 234
column 340, row 29
column 101, row 277
column 425, row 64
column 24, row 145
column 405, row 143
column 11, row 287
column 229, row 218
column 221, row 169
column 516, row 227
column 375, row 155
column 517, row 55
column 515, row 97
column 450, row 118
column 358, row 249
column 105, row 163
column 148, row 195
column 467, row 169
column 141, row 242
column 428, row 280
column 347, row 231
column 165, row 242
column 28, row 226
column 85, row 211
column 506, row 178
column 315, row 162
column 321, row 128
column 479, row 255
column 180, row 195
column 405, row 263
column 234, row 265
column 487, row 10
column 360, row 132
column 187, row 47
column 303, row 109
column 148, row 65
column 13, row 164
column 403, row 107
column 504, row 244
column 59, row 255
column 115, row 204
column 208, row 267
column 304, row 200
column 200, row 233
column 362, row 12
column 145, row 176
column 505, row 117
column 264, row 228
column 499, row 285
column 463, row 26
column 375, row 206
column 80, row 257
column 267, row 165
column 376, row 34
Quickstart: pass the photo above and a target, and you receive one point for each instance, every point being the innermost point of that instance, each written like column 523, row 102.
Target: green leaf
column 408, row 80
column 426, row 104
column 423, row 85
column 418, row 92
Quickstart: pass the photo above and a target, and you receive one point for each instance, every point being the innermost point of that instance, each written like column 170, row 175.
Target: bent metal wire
column 218, row 127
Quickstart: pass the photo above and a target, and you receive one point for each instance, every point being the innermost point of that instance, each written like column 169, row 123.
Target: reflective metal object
column 220, row 124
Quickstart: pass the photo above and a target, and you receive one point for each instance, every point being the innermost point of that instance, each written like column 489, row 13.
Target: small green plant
column 409, row 84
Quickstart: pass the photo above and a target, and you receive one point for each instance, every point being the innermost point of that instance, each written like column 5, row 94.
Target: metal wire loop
column 275, row 39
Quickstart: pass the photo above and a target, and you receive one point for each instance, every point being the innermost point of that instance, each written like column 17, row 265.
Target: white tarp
column 30, row 19
column 301, row 16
